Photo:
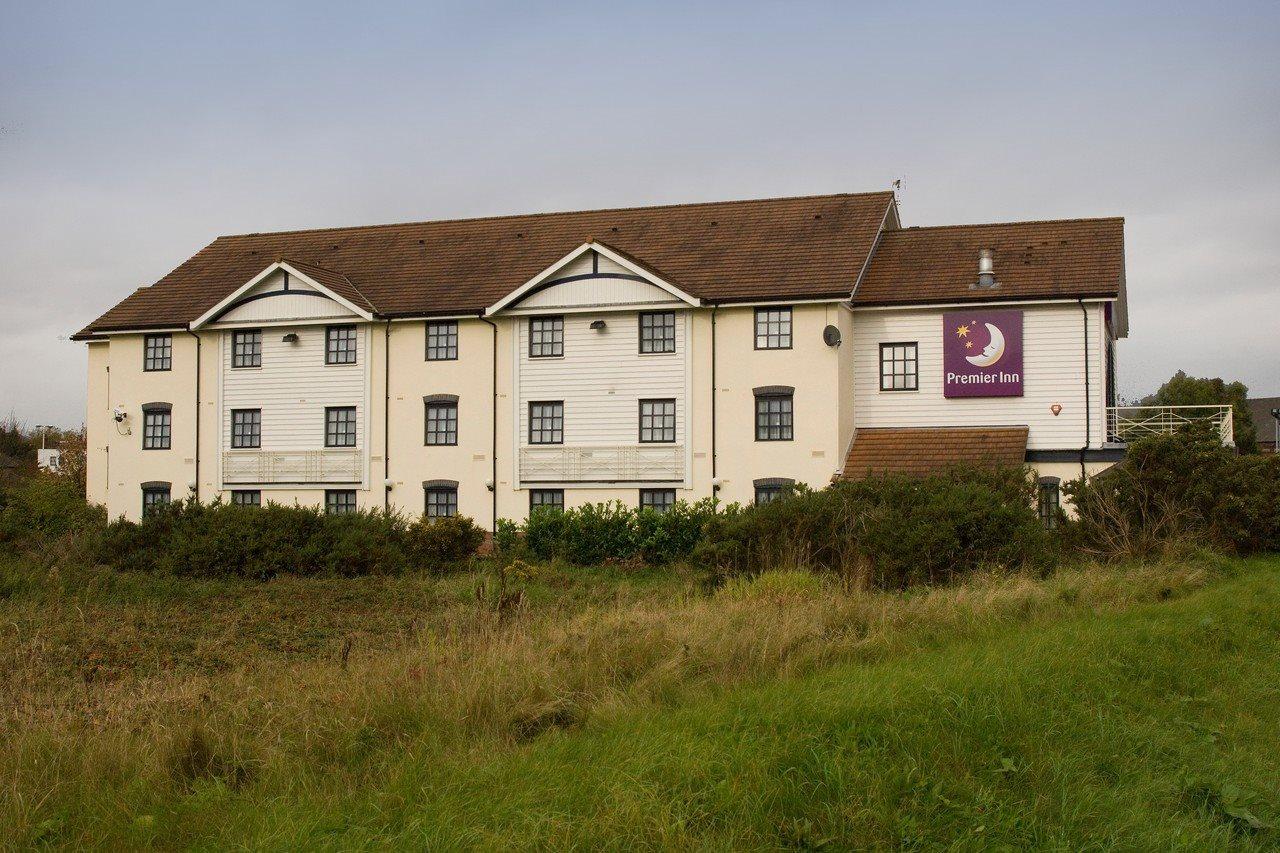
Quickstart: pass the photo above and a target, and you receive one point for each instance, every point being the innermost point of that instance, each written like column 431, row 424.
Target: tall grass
column 137, row 710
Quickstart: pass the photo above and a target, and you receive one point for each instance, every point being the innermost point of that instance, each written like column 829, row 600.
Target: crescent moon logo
column 992, row 352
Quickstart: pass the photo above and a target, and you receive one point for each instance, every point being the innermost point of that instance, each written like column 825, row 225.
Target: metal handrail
column 1129, row 423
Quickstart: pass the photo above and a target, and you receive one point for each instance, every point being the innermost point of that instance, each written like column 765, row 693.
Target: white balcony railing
column 634, row 463
column 331, row 465
column 1130, row 423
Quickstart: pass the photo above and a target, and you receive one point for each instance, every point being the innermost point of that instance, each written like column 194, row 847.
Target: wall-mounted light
column 388, row 483
column 488, row 484
column 597, row 325
column 291, row 338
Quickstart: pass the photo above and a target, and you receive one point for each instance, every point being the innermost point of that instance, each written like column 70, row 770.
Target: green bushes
column 891, row 531
column 45, row 506
column 596, row 533
column 1177, row 488
column 219, row 539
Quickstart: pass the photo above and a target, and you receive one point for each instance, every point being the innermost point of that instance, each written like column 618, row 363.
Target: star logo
column 962, row 331
column 968, row 344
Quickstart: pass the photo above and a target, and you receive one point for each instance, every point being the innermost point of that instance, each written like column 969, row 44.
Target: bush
column 44, row 506
column 890, row 531
column 1178, row 487
column 596, row 533
column 217, row 539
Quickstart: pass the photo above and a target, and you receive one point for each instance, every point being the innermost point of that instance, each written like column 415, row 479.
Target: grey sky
column 132, row 135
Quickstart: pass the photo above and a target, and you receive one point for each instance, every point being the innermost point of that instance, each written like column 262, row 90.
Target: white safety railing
column 331, row 465
column 1130, row 423
column 634, row 463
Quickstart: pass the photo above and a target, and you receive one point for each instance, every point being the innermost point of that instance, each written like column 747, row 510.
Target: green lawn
column 1075, row 720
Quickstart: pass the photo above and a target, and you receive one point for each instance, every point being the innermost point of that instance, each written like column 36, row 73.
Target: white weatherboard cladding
column 596, row 291
column 293, row 387
column 1053, row 372
column 601, row 379
column 298, row 304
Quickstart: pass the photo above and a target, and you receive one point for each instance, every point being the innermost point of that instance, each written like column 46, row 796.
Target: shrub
column 595, row 533
column 889, row 531
column 1177, row 487
column 217, row 539
column 42, row 506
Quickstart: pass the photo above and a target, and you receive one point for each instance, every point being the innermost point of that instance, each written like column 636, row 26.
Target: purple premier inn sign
column 982, row 354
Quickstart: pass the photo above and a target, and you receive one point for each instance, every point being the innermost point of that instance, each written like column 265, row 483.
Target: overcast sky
column 131, row 135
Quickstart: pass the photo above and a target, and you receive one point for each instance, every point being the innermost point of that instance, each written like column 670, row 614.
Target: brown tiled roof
column 789, row 248
column 335, row 281
column 1064, row 258
column 918, row 451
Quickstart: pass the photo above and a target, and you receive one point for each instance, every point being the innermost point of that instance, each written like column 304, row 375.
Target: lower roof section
column 920, row 451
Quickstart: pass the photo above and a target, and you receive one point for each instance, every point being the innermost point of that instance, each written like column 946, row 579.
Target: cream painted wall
column 1053, row 372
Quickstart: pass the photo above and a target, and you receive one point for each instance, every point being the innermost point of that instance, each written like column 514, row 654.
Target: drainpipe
column 386, row 417
column 197, row 453
column 493, row 451
column 1088, row 394
column 715, row 489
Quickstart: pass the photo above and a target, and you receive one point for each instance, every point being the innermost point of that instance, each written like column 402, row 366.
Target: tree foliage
column 1184, row 390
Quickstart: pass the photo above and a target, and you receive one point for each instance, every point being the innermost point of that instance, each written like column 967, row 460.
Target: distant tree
column 1184, row 390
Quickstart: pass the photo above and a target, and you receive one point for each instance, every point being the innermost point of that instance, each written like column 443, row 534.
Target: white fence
column 331, row 465
column 1130, row 423
column 635, row 463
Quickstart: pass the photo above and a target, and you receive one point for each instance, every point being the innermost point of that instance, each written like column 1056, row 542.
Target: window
column 546, row 423
column 246, row 497
column 339, row 501
column 157, row 352
column 546, row 337
column 340, row 426
column 154, row 495
column 773, row 328
column 441, row 501
column 157, row 426
column 657, row 421
column 899, row 367
column 246, row 348
column 340, row 345
column 770, row 489
column 442, row 340
column 1049, row 501
column 246, row 427
column 774, row 413
column 658, row 331
column 442, row 420
column 552, row 498
column 659, row 500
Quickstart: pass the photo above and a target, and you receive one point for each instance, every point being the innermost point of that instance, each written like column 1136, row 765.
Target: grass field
column 1135, row 707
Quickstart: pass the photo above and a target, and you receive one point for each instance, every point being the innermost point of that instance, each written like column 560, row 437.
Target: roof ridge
column 1006, row 224
column 552, row 213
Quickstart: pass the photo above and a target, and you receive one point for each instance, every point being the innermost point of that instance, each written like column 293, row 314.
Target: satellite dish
column 831, row 336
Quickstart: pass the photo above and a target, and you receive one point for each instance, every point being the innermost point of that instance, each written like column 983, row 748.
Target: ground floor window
column 339, row 501
column 1049, row 501
column 553, row 498
column 441, row 501
column 153, row 496
column 246, row 497
column 657, row 499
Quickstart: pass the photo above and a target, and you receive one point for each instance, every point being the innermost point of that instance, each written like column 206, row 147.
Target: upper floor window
column 659, row 500
column 246, row 427
column 157, row 352
column 340, row 345
column 154, row 496
column 553, row 499
column 246, row 497
column 441, row 498
column 546, row 337
column 340, row 426
column 442, row 340
column 546, row 422
column 157, row 426
column 658, row 331
column 339, row 501
column 441, row 419
column 657, row 421
column 246, row 348
column 774, row 413
column 773, row 328
column 899, row 367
